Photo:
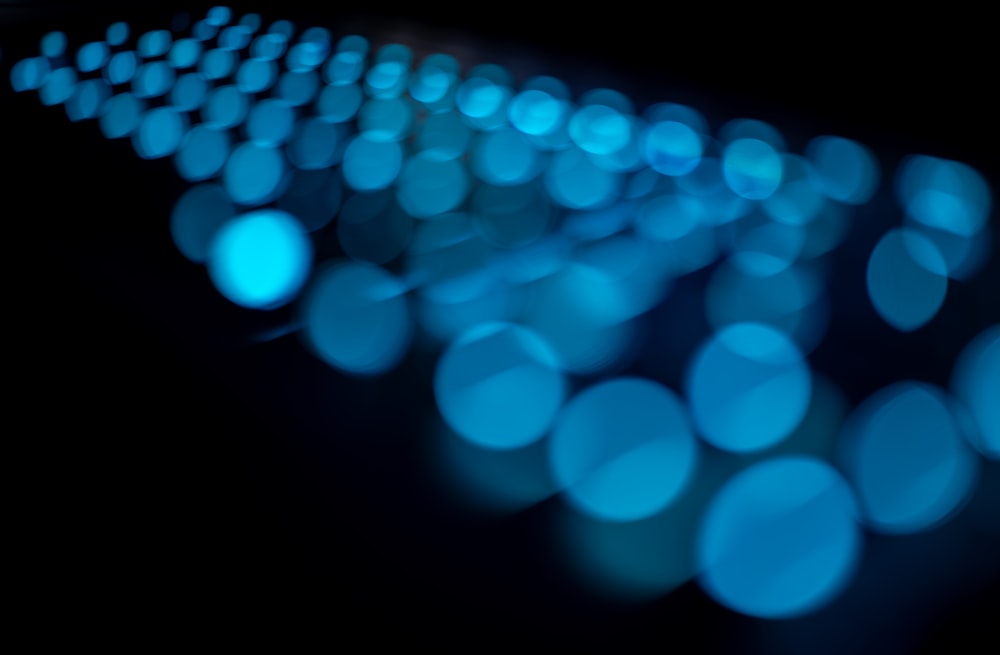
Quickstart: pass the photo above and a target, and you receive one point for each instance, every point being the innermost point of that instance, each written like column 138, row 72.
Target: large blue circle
column 748, row 386
column 261, row 259
column 623, row 450
column 780, row 539
column 498, row 386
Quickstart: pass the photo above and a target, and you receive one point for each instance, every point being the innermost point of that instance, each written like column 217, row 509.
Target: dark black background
column 173, row 470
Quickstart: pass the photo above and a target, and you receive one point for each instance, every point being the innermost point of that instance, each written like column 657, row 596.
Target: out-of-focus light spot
column 315, row 144
column 189, row 92
column 225, row 107
column 153, row 79
column 252, row 21
column 907, row 279
column 357, row 319
column 370, row 165
column 202, row 153
column 498, row 386
column 117, row 33
column 483, row 103
column 254, row 174
column 450, row 260
column 504, row 157
column 53, row 44
column 904, row 453
column 345, row 67
column 298, row 88
column 429, row 187
column 963, row 256
column 599, row 130
column 58, row 86
column 623, row 449
column 748, row 128
column 283, row 28
column 260, row 260
column 235, row 37
column 443, row 136
column 386, row 79
column 339, row 103
column 631, row 156
column 537, row 260
column 29, row 74
column 433, row 84
column 204, row 31
column 827, row 230
column 751, row 168
column 385, row 119
column 535, row 112
column 780, row 539
column 270, row 122
column 943, row 194
column 373, row 228
column 268, row 46
column 749, row 387
column 796, row 201
column 120, row 115
column 217, row 63
column 307, row 56
column 155, row 43
column 159, row 133
column 766, row 249
column 219, row 16
column 574, row 181
column 593, row 224
column 185, row 53
column 581, row 310
column 313, row 196
column 256, row 75
column 121, row 67
column 792, row 301
column 511, row 217
column 669, row 217
column 976, row 382
column 672, row 148
column 843, row 169
column 635, row 266
column 88, row 99
column 92, row 56
column 196, row 217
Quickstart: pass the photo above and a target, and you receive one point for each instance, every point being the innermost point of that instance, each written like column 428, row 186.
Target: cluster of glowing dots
column 525, row 233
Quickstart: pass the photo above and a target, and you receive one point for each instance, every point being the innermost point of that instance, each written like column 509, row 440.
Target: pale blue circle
column 904, row 453
column 253, row 174
column 575, row 181
column 599, row 130
column 843, row 169
column 256, row 75
column 672, row 148
column 202, row 153
column 345, row 67
column 153, row 79
column 976, row 382
column 371, row 165
column 58, row 86
column 443, row 136
column 218, row 16
column 945, row 194
column 260, row 260
column 535, row 112
column 92, row 56
column 53, row 44
column 504, row 157
column 121, row 67
column 498, row 386
column 185, row 53
column 357, row 319
column 906, row 279
column 429, row 187
column 748, row 386
column 385, row 119
column 339, row 102
column 120, row 115
column 154, row 43
column 623, row 449
column 386, row 79
column 270, row 122
column 88, row 99
column 298, row 88
column 780, row 539
column 314, row 144
column 268, row 46
column 189, row 92
column 226, row 106
column 159, row 133
column 217, row 63
column 117, row 33
column 197, row 216
column 29, row 74
column 235, row 37
column 752, row 168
